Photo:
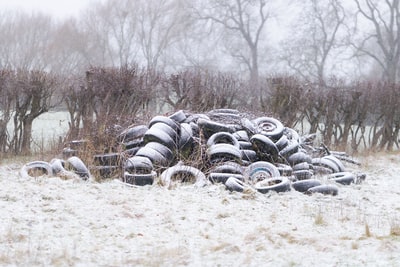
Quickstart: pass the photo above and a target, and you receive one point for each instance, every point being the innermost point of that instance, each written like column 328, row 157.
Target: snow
column 48, row 221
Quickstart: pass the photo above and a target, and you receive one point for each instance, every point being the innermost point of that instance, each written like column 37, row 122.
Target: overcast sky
column 57, row 8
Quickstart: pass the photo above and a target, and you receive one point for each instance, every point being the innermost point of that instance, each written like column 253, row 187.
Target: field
column 55, row 222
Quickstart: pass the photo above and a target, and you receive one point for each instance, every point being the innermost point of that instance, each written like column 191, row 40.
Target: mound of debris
column 220, row 146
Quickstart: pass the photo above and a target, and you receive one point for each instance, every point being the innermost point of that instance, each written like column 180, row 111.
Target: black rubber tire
column 269, row 127
column 249, row 155
column 164, row 150
column 165, row 120
column 326, row 163
column 132, row 133
column 161, row 133
column 130, row 152
column 228, row 167
column 291, row 148
column 303, row 185
column 302, row 166
column 57, row 165
column 261, row 170
column 265, row 147
column 209, row 127
column 299, row 157
column 156, row 157
column 41, row 167
column 321, row 170
column 344, row 178
column 224, row 152
column 69, row 152
column 222, row 138
column 105, row 172
column 134, row 143
column 282, row 142
column 139, row 179
column 241, row 135
column 138, row 164
column 109, row 159
column 303, row 174
column 244, row 145
column 178, row 116
column 277, row 184
column 337, row 161
column 235, row 185
column 325, row 189
column 189, row 171
column 77, row 166
column 216, row 177
column 284, row 170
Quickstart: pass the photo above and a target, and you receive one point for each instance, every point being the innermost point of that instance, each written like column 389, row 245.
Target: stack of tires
column 220, row 146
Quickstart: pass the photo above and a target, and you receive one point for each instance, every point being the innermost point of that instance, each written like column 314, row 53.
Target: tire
column 263, row 165
column 284, row 170
column 222, row 138
column 277, row 184
column 186, row 141
column 110, row 159
column 132, row 133
column 139, row 179
column 337, row 161
column 228, row 167
column 157, row 159
column 165, row 120
column 130, row 152
column 135, row 143
column 233, row 184
column 241, row 135
column 324, row 189
column 299, row 157
column 216, row 177
column 245, row 145
column 36, row 168
column 77, row 166
column 291, row 148
column 265, row 147
column 303, row 185
column 224, row 152
column 303, row 174
column 57, row 166
column 178, row 116
column 269, row 127
column 159, row 135
column 344, row 178
column 249, row 155
column 224, row 115
column 302, row 166
column 69, row 152
column 105, row 172
column 321, row 170
column 326, row 163
column 164, row 150
column 139, row 165
column 209, row 127
column 282, row 142
column 186, row 171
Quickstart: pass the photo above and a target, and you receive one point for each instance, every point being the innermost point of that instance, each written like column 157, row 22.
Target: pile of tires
column 221, row 146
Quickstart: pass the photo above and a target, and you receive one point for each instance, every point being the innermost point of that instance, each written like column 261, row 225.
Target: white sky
column 58, row 8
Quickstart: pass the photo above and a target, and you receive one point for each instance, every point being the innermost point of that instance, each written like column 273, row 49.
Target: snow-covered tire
column 139, row 178
column 344, row 178
column 132, row 133
column 303, row 185
column 138, row 164
column 220, row 177
column 277, row 184
column 78, row 167
column 30, row 169
column 235, row 184
column 265, row 147
column 178, row 116
column 109, row 159
column 186, row 172
column 165, row 120
column 224, row 152
column 222, row 138
column 325, row 189
column 155, row 156
column 269, row 127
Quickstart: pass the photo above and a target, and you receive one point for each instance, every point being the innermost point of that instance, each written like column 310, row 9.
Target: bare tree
column 25, row 40
column 383, row 18
column 314, row 37
column 244, row 19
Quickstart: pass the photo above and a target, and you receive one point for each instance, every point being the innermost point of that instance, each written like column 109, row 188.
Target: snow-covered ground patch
column 54, row 222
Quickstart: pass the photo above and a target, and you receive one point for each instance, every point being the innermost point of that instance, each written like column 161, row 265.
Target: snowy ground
column 55, row 222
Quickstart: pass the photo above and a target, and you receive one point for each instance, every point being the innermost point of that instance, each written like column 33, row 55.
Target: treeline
column 363, row 115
